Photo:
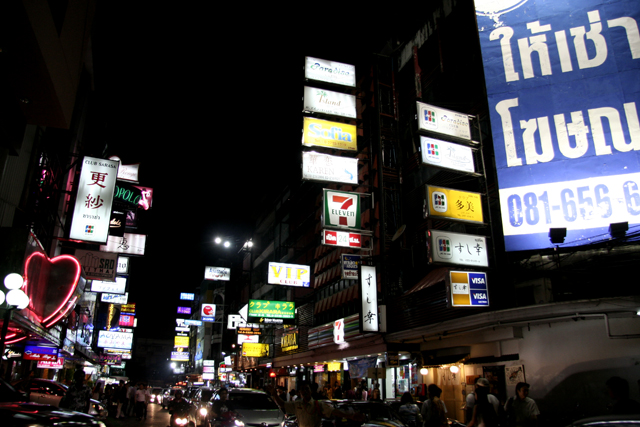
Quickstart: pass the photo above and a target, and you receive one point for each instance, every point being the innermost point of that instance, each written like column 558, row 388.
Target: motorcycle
column 228, row 419
column 181, row 415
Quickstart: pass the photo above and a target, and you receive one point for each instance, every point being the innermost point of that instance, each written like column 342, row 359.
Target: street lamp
column 14, row 298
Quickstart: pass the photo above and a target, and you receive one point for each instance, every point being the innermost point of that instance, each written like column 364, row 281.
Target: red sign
column 47, row 364
column 39, row 357
column 341, row 238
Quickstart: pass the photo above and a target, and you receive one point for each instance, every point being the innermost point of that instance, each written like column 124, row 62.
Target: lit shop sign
column 51, row 364
column 272, row 309
column 564, row 118
column 328, row 102
column 208, row 313
column 98, row 265
column 92, row 210
column 111, row 339
column 132, row 244
column 318, row 368
column 181, row 342
column 338, row 331
column 248, row 338
column 180, row 356
column 249, row 331
column 127, row 172
column 190, row 322
column 330, row 71
column 123, row 265
column 115, row 298
column 446, row 122
column 289, row 341
column 447, row 155
column 34, row 352
column 217, row 273
column 289, row 274
column 117, row 287
column 184, row 310
column 187, row 296
column 468, row 289
column 341, row 238
column 126, row 320
column 322, row 167
column 128, row 308
column 350, row 265
column 454, row 204
column 369, row 296
column 456, row 248
column 341, row 209
column 336, row 135
column 255, row 350
column 334, row 366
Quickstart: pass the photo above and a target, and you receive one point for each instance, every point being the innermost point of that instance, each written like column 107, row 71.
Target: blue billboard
column 563, row 85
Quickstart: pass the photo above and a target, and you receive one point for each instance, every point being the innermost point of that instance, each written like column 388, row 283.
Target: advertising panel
column 115, row 298
column 323, row 133
column 208, row 313
column 440, row 120
column 132, row 244
column 338, row 331
column 126, row 320
column 112, row 339
column 180, row 356
column 36, row 352
column 181, row 342
column 272, row 309
column 51, row 364
column 248, row 338
column 329, row 102
column 447, row 155
column 456, row 248
column 341, row 209
column 98, row 265
column 184, row 310
column 563, row 97
column 187, row 296
column 92, row 211
column 117, row 287
column 289, row 274
column 322, row 167
column 468, row 289
column 341, row 238
column 454, row 204
column 217, row 273
column 123, row 265
column 369, row 297
column 289, row 341
column 329, row 71
column 350, row 265
column 190, row 322
column 255, row 350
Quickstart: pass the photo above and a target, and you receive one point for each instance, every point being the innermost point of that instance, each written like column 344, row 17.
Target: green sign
column 341, row 209
column 272, row 309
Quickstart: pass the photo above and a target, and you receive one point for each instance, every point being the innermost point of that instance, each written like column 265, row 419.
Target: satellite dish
column 399, row 232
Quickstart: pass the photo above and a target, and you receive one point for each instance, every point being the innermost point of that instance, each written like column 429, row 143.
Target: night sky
column 210, row 104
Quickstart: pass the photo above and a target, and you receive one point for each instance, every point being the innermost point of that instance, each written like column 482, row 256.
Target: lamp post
column 14, row 298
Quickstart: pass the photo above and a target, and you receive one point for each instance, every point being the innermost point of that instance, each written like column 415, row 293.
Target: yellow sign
column 454, row 204
column 334, row 366
column 181, row 342
column 255, row 349
column 323, row 133
column 289, row 342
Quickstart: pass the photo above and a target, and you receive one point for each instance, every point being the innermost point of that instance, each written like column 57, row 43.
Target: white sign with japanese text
column 330, row 71
column 132, row 244
column 369, row 296
column 456, row 248
column 445, row 154
column 92, row 210
column 328, row 102
column 323, row 167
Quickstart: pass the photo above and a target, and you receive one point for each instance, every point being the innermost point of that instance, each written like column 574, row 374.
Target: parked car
column 156, row 395
column 50, row 392
column 254, row 407
column 609, row 420
column 169, row 394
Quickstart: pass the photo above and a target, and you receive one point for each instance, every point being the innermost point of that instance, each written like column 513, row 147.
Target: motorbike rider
column 223, row 405
column 178, row 404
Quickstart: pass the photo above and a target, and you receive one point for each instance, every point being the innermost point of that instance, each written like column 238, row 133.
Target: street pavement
column 156, row 417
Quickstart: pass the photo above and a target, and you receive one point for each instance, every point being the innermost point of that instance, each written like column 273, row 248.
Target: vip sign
column 341, row 238
column 468, row 289
column 447, row 155
column 456, row 248
column 338, row 331
column 369, row 295
column 446, row 122
column 208, row 313
column 322, row 167
column 323, row 133
column 289, row 274
column 98, row 265
column 217, row 273
column 328, row 102
column 329, row 71
column 341, row 209
column 92, row 210
column 454, row 204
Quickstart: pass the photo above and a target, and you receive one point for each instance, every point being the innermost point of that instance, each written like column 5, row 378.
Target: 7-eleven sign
column 341, row 209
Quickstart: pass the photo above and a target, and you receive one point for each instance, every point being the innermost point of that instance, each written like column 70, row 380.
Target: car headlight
column 203, row 412
column 238, row 423
column 181, row 421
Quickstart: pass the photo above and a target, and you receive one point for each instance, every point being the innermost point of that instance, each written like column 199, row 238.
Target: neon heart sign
column 53, row 286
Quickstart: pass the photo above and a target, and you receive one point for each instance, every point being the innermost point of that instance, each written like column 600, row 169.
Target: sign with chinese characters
column 454, row 204
column 322, row 133
column 115, row 298
column 561, row 82
column 289, row 341
column 329, row 102
column 92, row 210
column 132, row 244
column 456, row 248
column 322, row 167
column 289, row 274
column 272, row 309
column 341, row 238
column 338, row 331
column 217, row 273
column 98, row 265
column 350, row 265
column 341, row 209
column 369, row 295
column 468, row 289
column 448, row 155
column 117, row 287
column 112, row 339
column 446, row 122
column 330, row 71
column 208, row 313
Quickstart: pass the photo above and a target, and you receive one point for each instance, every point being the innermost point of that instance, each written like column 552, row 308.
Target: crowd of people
column 124, row 399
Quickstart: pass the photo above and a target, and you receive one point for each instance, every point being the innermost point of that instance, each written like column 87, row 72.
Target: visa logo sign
column 479, row 295
column 477, row 280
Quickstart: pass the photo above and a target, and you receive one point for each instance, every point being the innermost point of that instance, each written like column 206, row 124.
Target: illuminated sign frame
column 326, row 168
column 323, row 133
column 457, row 248
column 342, row 209
column 255, row 350
column 217, row 273
column 443, row 121
column 454, row 204
column 468, row 289
column 369, row 318
column 443, row 154
column 272, row 309
column 329, row 71
column 280, row 274
column 329, row 102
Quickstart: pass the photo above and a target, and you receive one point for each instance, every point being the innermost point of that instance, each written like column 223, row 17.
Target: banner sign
column 36, row 352
column 187, row 296
column 468, row 289
column 248, row 338
column 446, row 122
column 447, row 154
column 181, row 342
column 456, row 248
column 128, row 308
column 51, row 364
column 350, row 265
column 328, row 102
column 217, row 273
column 562, row 84
column 330, row 71
column 289, row 341
column 184, row 310
column 341, row 238
column 117, row 287
column 272, row 309
column 115, row 298
column 92, row 211
column 341, row 209
column 255, row 350
column 323, row 133
column 111, row 339
column 322, row 167
column 454, row 204
column 369, row 296
column 180, row 356
column 127, row 320
column 289, row 274
column 208, row 313
column 249, row 331
column 98, row 265
column 190, row 322
column 132, row 244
